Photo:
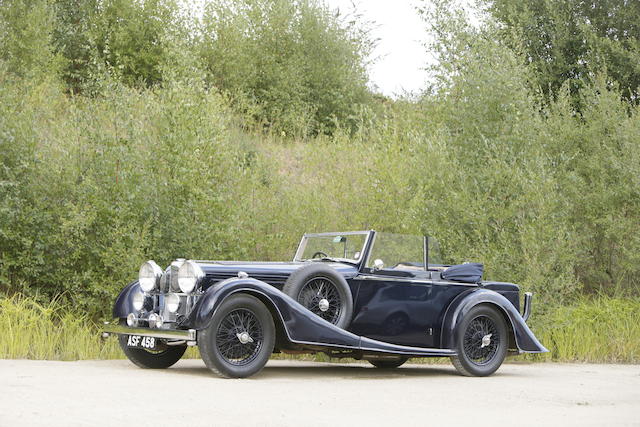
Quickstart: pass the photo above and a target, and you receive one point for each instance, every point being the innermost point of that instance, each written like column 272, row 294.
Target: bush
column 93, row 187
column 292, row 66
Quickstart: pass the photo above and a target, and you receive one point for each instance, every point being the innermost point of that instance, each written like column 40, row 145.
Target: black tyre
column 481, row 342
column 322, row 290
column 240, row 338
column 162, row 359
column 388, row 363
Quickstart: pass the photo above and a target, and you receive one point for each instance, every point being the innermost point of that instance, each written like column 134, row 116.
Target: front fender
column 300, row 324
column 525, row 339
column 124, row 305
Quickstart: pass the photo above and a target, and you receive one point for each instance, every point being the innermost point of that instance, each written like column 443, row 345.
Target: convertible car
column 366, row 295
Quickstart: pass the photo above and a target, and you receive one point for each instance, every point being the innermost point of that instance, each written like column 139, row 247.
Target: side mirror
column 378, row 264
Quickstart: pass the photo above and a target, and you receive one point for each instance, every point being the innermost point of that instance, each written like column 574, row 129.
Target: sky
column 400, row 52
column 400, row 57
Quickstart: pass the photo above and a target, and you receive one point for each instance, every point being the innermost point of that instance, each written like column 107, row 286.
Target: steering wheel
column 321, row 254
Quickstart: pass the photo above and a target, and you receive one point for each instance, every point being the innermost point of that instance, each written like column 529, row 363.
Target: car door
column 395, row 307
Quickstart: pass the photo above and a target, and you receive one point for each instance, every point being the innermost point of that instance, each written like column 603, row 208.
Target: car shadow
column 278, row 369
column 355, row 371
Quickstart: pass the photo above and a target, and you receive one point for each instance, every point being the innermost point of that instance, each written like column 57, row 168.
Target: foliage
column 293, row 66
column 571, row 40
column 49, row 331
column 25, row 37
column 602, row 330
column 129, row 40
column 92, row 187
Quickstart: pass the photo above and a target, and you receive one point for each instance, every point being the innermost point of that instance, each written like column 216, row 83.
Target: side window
column 398, row 251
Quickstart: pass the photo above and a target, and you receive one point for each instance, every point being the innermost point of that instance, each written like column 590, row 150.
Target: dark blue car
column 366, row 295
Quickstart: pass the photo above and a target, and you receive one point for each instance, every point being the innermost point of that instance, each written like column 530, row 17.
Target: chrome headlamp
column 149, row 276
column 172, row 301
column 155, row 320
column 189, row 275
column 138, row 301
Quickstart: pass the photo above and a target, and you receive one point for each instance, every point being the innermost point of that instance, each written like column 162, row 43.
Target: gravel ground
column 110, row 393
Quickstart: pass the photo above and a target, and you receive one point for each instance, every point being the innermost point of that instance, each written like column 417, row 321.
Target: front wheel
column 388, row 363
column 240, row 338
column 481, row 342
column 152, row 359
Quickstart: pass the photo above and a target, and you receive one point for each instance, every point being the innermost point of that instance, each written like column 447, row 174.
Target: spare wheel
column 323, row 291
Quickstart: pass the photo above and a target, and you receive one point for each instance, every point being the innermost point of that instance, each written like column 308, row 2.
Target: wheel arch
column 124, row 302
column 520, row 336
column 295, row 324
column 282, row 338
column 213, row 299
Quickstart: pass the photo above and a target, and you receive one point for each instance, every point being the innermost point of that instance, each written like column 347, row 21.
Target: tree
column 129, row 40
column 575, row 39
column 25, row 36
column 292, row 65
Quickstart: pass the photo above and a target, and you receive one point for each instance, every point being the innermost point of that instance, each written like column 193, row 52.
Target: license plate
column 137, row 341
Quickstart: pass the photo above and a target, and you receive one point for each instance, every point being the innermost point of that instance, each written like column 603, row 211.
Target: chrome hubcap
column 486, row 340
column 244, row 337
column 323, row 304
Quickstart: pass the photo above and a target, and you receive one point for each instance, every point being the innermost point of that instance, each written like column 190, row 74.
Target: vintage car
column 366, row 295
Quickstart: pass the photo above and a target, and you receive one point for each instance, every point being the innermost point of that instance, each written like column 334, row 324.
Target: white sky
column 401, row 55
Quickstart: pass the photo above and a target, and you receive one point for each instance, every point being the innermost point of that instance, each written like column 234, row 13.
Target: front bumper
column 189, row 335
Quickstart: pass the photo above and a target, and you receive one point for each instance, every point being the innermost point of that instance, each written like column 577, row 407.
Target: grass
column 598, row 330
column 31, row 330
column 601, row 330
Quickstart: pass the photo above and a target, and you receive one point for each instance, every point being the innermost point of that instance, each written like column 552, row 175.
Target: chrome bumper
column 189, row 335
column 526, row 309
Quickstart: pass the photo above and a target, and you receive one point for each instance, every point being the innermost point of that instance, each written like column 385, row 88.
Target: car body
column 337, row 297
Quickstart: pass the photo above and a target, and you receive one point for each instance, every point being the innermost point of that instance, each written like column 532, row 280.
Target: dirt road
column 112, row 393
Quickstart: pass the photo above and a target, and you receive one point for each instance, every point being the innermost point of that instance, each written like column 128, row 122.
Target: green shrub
column 93, row 187
column 293, row 66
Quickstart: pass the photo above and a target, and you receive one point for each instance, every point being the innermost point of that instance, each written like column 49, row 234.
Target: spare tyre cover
column 470, row 272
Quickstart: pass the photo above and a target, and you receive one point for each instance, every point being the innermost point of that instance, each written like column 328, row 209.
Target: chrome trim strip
column 409, row 280
column 526, row 309
column 113, row 329
column 336, row 233
column 427, row 351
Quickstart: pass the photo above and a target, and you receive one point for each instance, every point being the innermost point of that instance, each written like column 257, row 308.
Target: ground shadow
column 294, row 369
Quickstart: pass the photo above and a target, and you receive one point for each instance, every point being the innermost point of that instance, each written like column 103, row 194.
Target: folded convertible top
column 470, row 272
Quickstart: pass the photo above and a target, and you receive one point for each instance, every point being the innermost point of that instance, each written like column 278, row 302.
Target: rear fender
column 525, row 340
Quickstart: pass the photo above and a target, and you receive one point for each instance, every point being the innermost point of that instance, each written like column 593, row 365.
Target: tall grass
column 600, row 330
column 31, row 330
column 603, row 329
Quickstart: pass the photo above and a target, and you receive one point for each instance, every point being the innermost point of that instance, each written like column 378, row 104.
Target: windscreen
column 337, row 246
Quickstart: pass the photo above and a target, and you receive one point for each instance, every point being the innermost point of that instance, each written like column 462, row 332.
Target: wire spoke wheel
column 320, row 296
column 324, row 291
column 481, row 340
column 239, row 337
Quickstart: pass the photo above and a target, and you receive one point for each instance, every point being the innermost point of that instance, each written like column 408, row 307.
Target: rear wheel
column 240, row 338
column 388, row 363
column 481, row 342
